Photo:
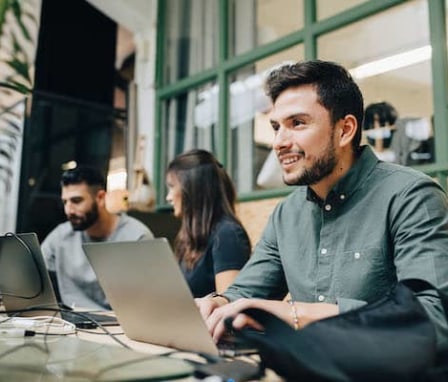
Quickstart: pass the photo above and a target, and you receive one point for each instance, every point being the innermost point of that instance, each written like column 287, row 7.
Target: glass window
column 394, row 75
column 191, row 37
column 446, row 12
column 251, row 135
column 257, row 22
column 190, row 121
column 327, row 8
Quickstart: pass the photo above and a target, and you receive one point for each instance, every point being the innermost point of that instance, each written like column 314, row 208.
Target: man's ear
column 101, row 197
column 347, row 130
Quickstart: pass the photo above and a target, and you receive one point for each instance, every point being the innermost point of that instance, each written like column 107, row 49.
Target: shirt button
column 357, row 255
column 342, row 196
column 323, row 251
column 321, row 298
column 328, row 207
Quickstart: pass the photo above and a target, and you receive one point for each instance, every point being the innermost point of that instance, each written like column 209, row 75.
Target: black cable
column 41, row 283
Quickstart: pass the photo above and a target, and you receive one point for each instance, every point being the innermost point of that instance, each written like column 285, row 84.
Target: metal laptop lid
column 24, row 280
column 149, row 295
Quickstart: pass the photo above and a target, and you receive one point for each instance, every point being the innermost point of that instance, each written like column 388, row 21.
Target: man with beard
column 84, row 198
column 354, row 225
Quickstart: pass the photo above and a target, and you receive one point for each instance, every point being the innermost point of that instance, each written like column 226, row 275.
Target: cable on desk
column 80, row 314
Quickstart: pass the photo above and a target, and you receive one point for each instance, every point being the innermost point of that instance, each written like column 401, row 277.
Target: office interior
column 126, row 86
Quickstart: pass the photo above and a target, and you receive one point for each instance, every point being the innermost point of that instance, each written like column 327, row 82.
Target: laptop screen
column 24, row 280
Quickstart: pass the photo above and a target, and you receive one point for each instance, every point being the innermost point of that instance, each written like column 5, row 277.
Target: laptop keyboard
column 86, row 320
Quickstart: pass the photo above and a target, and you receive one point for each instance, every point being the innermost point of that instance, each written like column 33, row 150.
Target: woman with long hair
column 211, row 245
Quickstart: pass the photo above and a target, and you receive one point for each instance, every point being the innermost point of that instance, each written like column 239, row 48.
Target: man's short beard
column 321, row 168
column 90, row 218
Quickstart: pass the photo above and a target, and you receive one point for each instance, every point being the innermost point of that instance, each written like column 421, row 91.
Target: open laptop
column 25, row 284
column 150, row 296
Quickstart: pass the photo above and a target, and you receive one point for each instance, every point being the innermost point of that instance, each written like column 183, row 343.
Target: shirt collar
column 351, row 181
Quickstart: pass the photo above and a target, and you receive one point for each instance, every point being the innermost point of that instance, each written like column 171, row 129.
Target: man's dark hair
column 84, row 174
column 335, row 88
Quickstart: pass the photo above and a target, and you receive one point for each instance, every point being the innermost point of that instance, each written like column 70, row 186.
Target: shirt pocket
column 364, row 274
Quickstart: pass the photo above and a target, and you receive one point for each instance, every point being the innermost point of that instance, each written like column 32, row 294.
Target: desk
column 98, row 335
column 90, row 355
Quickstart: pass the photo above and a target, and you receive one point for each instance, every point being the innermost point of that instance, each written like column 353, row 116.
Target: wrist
column 219, row 298
column 294, row 315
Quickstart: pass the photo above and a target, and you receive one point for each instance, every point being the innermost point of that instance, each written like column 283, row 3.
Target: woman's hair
column 207, row 195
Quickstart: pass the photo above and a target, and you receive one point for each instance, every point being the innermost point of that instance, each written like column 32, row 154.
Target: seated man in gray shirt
column 84, row 198
column 352, row 228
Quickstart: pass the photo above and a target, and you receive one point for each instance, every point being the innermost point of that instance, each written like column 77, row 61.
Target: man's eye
column 296, row 122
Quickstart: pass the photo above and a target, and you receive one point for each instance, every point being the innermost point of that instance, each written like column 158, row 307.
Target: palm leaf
column 17, row 86
column 17, row 10
column 13, row 124
column 5, row 154
column 20, row 67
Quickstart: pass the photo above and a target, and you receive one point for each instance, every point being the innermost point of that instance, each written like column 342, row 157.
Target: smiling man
column 83, row 195
column 353, row 226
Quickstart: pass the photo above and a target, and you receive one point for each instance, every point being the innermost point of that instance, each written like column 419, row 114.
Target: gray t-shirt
column 63, row 253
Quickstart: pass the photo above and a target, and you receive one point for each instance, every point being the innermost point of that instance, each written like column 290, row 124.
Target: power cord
column 40, row 325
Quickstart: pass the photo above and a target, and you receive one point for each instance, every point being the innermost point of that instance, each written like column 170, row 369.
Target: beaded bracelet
column 214, row 294
column 295, row 317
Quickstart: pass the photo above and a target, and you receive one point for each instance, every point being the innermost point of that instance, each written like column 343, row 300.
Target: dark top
column 228, row 249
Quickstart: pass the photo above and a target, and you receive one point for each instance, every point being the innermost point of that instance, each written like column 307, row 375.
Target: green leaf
column 18, row 87
column 17, row 10
column 20, row 67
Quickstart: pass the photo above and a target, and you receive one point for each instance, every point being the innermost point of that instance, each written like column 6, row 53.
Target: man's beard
column 81, row 223
column 321, row 167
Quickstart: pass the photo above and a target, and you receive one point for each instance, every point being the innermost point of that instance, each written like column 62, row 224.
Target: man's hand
column 307, row 312
column 207, row 305
column 215, row 321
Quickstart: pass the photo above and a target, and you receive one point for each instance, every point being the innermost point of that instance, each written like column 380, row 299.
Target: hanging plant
column 18, row 26
column 18, row 35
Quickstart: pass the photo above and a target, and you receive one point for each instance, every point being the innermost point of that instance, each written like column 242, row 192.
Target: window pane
column 251, row 134
column 398, row 73
column 191, row 37
column 327, row 8
column 257, row 22
column 190, row 121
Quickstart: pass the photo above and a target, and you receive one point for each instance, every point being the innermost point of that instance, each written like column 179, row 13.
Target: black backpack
column 391, row 339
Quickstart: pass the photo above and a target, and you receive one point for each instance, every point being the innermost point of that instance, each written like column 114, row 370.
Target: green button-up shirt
column 381, row 222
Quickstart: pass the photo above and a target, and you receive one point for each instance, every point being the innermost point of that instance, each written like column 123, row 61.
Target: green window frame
column 307, row 36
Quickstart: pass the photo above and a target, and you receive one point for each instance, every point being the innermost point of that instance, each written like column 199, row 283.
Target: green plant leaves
column 18, row 61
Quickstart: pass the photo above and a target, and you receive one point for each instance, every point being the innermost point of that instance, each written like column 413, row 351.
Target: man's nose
column 68, row 208
column 282, row 138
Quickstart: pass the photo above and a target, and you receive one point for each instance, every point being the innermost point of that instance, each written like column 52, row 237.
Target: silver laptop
column 150, row 297
column 24, row 280
column 25, row 284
